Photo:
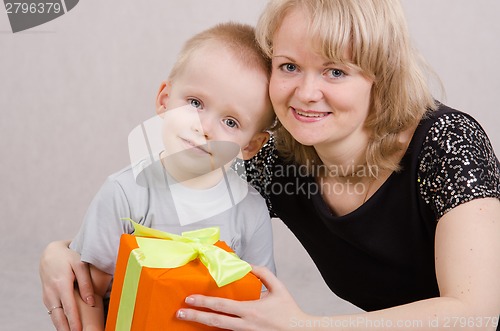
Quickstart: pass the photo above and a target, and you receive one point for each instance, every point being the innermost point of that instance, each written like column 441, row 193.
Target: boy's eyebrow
column 241, row 115
column 287, row 57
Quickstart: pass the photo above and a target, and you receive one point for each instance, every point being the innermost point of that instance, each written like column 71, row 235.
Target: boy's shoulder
column 136, row 175
column 124, row 175
column 239, row 182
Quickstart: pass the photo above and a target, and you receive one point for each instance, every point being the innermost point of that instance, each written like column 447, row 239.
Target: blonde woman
column 400, row 208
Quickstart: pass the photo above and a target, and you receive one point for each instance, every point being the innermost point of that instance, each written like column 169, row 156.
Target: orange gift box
column 161, row 292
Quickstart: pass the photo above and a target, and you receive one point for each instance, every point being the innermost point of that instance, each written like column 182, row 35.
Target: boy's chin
column 207, row 157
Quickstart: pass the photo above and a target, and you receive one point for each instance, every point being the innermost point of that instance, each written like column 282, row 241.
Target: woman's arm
column 467, row 268
column 60, row 267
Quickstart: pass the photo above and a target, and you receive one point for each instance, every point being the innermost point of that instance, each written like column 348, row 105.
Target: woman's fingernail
column 181, row 314
column 90, row 301
column 189, row 300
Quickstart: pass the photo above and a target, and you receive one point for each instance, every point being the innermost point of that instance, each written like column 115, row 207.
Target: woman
column 393, row 195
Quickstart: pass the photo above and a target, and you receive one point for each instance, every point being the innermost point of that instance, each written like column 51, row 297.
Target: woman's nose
column 309, row 89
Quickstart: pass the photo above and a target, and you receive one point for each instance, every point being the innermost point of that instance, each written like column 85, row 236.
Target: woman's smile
column 308, row 116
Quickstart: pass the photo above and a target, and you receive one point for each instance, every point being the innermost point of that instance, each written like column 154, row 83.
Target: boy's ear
column 162, row 97
column 254, row 146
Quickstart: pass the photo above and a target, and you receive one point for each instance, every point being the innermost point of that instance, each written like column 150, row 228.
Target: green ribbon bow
column 158, row 249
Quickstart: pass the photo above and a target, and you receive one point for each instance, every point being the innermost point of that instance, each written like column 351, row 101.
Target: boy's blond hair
column 237, row 38
column 375, row 35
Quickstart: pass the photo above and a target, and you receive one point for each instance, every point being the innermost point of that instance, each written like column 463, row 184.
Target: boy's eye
column 231, row 123
column 289, row 67
column 195, row 103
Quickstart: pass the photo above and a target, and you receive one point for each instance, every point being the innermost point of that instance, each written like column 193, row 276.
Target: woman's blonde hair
column 375, row 34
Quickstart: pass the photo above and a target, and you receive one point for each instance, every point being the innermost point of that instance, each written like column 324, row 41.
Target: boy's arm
column 93, row 317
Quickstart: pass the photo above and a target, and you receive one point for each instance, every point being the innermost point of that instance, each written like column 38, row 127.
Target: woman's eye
column 289, row 67
column 195, row 103
column 231, row 123
column 335, row 73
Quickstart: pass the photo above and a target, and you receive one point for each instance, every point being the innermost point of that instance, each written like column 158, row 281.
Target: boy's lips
column 201, row 147
column 309, row 115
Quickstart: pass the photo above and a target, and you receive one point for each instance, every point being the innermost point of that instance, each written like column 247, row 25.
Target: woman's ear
column 162, row 97
column 254, row 146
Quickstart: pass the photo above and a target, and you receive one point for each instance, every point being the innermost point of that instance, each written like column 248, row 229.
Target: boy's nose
column 203, row 125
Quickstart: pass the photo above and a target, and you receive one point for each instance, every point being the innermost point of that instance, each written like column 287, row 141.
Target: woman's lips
column 309, row 115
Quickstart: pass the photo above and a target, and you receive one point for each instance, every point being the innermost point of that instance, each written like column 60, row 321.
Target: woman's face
column 319, row 102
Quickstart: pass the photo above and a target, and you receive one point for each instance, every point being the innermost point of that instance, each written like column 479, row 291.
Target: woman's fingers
column 222, row 305
column 56, row 314
column 84, row 281
column 211, row 319
column 70, row 311
column 61, row 294
column 237, row 309
column 270, row 281
column 59, row 320
column 272, row 312
column 57, row 266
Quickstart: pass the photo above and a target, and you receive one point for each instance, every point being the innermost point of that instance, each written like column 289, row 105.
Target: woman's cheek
column 279, row 90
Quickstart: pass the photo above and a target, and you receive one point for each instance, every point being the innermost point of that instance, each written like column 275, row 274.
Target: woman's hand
column 275, row 311
column 59, row 268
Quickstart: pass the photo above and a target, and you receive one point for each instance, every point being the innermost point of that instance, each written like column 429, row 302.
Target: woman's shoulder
column 443, row 116
column 451, row 131
column 456, row 161
column 438, row 127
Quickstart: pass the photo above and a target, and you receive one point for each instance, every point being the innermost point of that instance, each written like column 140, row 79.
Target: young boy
column 213, row 107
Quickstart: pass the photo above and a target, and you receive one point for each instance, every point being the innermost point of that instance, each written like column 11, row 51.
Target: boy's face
column 214, row 110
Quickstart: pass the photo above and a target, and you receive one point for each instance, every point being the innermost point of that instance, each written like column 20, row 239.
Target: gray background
column 72, row 89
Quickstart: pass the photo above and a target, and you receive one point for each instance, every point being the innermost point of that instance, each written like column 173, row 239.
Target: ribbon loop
column 224, row 267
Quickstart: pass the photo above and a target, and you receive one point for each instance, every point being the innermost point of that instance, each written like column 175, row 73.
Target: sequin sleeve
column 259, row 170
column 457, row 164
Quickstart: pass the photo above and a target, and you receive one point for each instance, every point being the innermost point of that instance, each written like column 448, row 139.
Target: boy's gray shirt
column 244, row 221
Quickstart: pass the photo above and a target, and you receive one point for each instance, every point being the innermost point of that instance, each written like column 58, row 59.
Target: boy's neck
column 194, row 181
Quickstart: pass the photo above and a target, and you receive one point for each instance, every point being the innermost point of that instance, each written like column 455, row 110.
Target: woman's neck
column 344, row 160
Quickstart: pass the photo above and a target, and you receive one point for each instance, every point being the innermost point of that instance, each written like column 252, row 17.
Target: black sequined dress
column 382, row 254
